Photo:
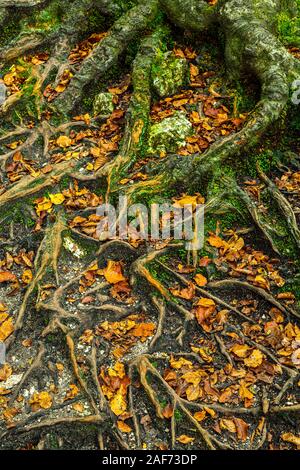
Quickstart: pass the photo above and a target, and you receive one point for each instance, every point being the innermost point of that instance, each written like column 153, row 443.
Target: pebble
column 3, row 91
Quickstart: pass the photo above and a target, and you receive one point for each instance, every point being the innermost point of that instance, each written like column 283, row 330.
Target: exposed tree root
column 228, row 283
column 250, row 43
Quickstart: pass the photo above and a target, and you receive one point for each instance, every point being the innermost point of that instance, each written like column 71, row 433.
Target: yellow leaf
column 6, row 329
column 255, row 359
column 64, row 141
column 228, row 424
column 118, row 403
column 72, row 392
column 240, row 350
column 60, row 367
column 57, row 198
column 45, row 400
column 204, row 302
column 144, row 330
column 117, row 371
column 89, row 167
column 210, row 411
column 177, row 364
column 193, row 392
column 27, row 276
column 244, row 392
column 216, row 241
column 189, row 200
column 44, row 204
column 41, row 400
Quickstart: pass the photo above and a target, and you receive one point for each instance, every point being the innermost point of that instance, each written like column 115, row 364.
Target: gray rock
column 169, row 134
column 169, row 74
column 3, row 91
column 103, row 104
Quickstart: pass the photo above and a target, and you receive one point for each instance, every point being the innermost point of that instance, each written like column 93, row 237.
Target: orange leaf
column 200, row 280
column 123, row 427
column 113, row 272
column 183, row 439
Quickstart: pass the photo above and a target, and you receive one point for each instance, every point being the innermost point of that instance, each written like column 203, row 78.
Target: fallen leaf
column 200, row 280
column 63, row 141
column 184, row 439
column 255, row 359
column 123, row 427
column 5, row 372
column 113, row 272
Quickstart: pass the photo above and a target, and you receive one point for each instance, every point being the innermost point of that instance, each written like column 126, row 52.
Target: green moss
column 169, row 74
column 169, row 134
column 289, row 26
column 178, row 415
column 43, row 20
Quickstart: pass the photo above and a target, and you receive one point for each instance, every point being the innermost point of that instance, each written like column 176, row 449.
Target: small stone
column 169, row 74
column 103, row 104
column 169, row 134
column 3, row 91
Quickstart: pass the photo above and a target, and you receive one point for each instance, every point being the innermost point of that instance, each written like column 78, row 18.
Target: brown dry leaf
column 286, row 296
column 184, row 439
column 241, row 428
column 123, row 427
column 5, row 372
column 228, row 424
column 187, row 293
column 168, row 411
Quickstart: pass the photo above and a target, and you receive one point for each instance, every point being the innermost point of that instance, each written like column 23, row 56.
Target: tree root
column 284, row 206
column 229, row 283
column 107, row 53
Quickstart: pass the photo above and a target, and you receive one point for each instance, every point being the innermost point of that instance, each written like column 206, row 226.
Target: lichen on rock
column 169, row 73
column 169, row 134
column 103, row 104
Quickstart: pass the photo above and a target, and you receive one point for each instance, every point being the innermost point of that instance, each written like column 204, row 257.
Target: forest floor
column 129, row 344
